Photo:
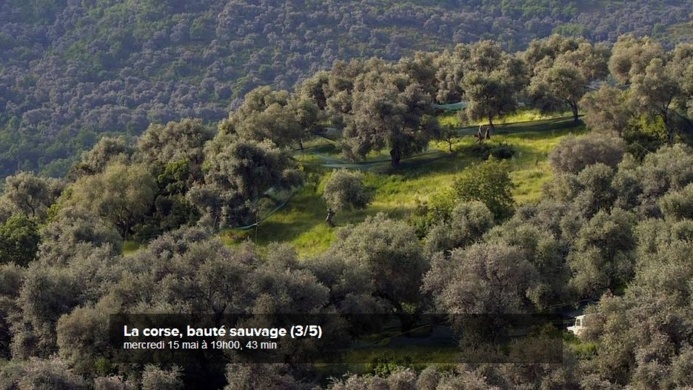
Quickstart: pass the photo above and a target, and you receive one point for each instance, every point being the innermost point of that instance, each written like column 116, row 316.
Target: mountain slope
column 74, row 69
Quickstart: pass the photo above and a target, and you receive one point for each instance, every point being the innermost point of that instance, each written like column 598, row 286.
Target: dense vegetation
column 174, row 216
column 141, row 224
column 72, row 71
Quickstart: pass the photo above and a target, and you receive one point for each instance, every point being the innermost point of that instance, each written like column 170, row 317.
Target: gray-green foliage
column 175, row 141
column 237, row 174
column 113, row 383
column 121, row 194
column 390, row 111
column 51, row 290
column 174, row 153
column 345, row 191
column 154, row 378
column 608, row 110
column 642, row 185
column 545, row 250
column 11, row 279
column 183, row 271
column 562, row 68
column 603, row 256
column 657, row 79
column 643, row 336
column 678, row 204
column 193, row 271
column 72, row 229
column 351, row 289
column 81, row 339
column 260, row 376
column 30, row 194
column 575, row 153
column 630, row 56
column 482, row 279
column 597, row 192
column 587, row 192
column 669, row 168
column 639, row 338
column 277, row 116
column 107, row 151
column 388, row 254
column 467, row 224
column 657, row 90
column 420, row 67
column 47, row 293
column 407, row 379
column 316, row 88
column 663, row 254
column 492, row 81
column 451, row 69
column 40, row 374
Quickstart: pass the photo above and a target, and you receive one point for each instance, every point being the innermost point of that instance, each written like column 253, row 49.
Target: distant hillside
column 71, row 70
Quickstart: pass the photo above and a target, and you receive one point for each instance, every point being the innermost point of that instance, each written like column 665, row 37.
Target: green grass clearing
column 450, row 118
column 302, row 222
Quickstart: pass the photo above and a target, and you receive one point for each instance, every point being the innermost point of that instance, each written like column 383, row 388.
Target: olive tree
column 237, row 174
column 603, row 256
column 482, row 279
column 122, row 194
column 468, row 222
column 71, row 230
column 108, row 150
column 489, row 183
column 575, row 153
column 678, row 204
column 30, row 194
column 40, row 374
column 175, row 141
column 345, row 191
column 388, row 111
column 19, row 240
column 388, row 254
column 492, row 82
column 562, row 69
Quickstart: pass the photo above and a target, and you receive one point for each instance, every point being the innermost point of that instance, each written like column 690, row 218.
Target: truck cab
column 579, row 326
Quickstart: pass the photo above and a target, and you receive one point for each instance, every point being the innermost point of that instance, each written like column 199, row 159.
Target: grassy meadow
column 301, row 222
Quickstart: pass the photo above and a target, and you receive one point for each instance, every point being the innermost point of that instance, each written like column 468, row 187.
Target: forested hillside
column 485, row 210
column 73, row 70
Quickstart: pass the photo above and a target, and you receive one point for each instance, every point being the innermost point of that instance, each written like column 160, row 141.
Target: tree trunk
column 407, row 323
column 574, row 108
column 490, row 122
column 33, row 211
column 396, row 156
column 328, row 219
column 407, row 320
column 671, row 131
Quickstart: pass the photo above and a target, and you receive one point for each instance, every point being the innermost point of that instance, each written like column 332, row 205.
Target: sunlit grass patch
column 529, row 183
column 130, row 247
column 398, row 190
column 449, row 118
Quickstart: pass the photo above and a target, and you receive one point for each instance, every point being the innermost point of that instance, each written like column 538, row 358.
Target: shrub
column 575, row 153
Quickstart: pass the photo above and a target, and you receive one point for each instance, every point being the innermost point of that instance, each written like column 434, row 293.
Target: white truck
column 579, row 326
